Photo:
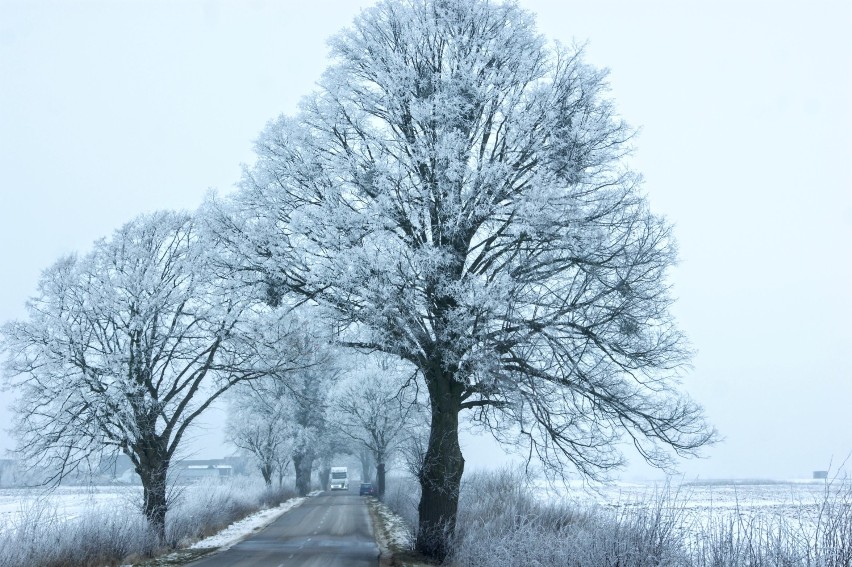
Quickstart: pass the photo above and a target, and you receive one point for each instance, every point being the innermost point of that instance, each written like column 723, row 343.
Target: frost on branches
column 283, row 417
column 125, row 347
column 258, row 426
column 376, row 408
column 456, row 191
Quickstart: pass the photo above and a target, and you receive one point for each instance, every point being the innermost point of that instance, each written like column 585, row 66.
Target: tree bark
column 366, row 465
column 303, row 463
column 266, row 471
column 380, row 480
column 153, row 469
column 443, row 466
column 325, row 477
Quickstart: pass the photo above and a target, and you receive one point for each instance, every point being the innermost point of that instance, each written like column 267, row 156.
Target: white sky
column 112, row 108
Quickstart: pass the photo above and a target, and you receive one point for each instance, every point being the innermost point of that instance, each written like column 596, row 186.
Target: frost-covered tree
column 333, row 444
column 125, row 347
column 457, row 191
column 367, row 462
column 263, row 413
column 308, row 426
column 312, row 439
column 258, row 425
column 375, row 408
column 296, row 401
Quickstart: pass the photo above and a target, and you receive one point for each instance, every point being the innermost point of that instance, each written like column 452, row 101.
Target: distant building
column 195, row 469
column 820, row 475
column 193, row 472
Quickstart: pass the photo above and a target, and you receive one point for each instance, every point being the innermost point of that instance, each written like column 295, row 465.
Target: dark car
column 367, row 489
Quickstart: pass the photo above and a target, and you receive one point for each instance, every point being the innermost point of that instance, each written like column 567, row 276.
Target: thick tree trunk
column 325, row 477
column 443, row 466
column 366, row 465
column 153, row 472
column 266, row 471
column 380, row 480
column 303, row 463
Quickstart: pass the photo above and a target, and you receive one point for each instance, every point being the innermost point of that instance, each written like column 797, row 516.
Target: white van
column 339, row 478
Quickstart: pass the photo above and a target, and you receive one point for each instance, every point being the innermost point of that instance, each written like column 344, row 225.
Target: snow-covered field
column 702, row 507
column 790, row 499
column 65, row 502
column 720, row 496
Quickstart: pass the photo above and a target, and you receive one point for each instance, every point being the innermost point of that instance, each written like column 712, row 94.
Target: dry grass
column 501, row 523
column 114, row 535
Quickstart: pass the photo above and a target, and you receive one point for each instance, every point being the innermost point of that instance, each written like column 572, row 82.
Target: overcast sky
column 113, row 108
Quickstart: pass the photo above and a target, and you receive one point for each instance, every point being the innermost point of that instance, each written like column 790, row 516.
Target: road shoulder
column 222, row 540
column 393, row 538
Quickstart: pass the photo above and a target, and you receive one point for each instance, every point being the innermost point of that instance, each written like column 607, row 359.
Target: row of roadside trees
column 340, row 403
column 127, row 346
column 454, row 196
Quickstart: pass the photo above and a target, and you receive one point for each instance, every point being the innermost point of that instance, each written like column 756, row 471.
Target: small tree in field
column 456, row 191
column 125, row 347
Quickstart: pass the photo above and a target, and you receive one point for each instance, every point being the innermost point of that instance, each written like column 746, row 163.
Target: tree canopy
column 375, row 408
column 456, row 190
column 126, row 346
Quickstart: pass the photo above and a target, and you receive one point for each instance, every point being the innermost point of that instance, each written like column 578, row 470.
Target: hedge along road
column 327, row 530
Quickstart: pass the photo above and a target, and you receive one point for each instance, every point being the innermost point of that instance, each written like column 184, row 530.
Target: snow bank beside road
column 248, row 525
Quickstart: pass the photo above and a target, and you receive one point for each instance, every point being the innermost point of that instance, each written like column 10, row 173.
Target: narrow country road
column 332, row 529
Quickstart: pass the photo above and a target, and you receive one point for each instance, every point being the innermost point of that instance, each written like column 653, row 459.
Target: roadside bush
column 833, row 533
column 501, row 523
column 42, row 537
column 211, row 507
column 402, row 494
column 105, row 535
column 819, row 536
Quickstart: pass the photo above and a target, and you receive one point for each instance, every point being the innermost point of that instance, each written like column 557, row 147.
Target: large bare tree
column 456, row 190
column 125, row 347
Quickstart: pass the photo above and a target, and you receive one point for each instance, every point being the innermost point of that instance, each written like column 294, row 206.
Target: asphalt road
column 331, row 529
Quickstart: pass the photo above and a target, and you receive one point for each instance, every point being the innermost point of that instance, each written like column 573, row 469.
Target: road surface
column 331, row 529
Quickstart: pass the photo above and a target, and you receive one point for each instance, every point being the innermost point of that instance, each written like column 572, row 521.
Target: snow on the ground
column 398, row 533
column 709, row 496
column 702, row 506
column 63, row 502
column 240, row 529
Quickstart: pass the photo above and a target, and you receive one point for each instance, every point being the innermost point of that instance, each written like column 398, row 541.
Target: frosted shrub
column 819, row 535
column 402, row 493
column 833, row 539
column 735, row 540
column 105, row 535
column 501, row 523
column 207, row 508
column 43, row 537
column 211, row 506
